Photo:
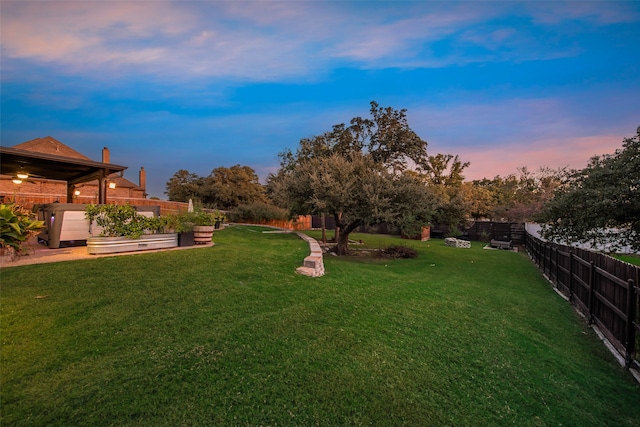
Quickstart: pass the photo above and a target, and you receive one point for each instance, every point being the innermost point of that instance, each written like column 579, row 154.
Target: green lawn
column 631, row 259
column 231, row 335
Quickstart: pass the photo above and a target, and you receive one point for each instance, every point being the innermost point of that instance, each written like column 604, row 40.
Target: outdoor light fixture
column 77, row 193
column 112, row 185
column 17, row 181
column 22, row 175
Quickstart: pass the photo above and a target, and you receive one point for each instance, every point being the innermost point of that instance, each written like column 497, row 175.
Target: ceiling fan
column 23, row 176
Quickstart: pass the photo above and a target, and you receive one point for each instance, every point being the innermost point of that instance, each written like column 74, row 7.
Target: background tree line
column 514, row 198
column 376, row 169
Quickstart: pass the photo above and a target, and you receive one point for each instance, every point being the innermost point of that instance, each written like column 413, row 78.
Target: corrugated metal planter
column 110, row 245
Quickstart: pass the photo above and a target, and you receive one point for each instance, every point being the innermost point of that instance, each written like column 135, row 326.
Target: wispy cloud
column 260, row 41
column 161, row 38
column 591, row 12
column 574, row 153
column 498, row 137
column 84, row 32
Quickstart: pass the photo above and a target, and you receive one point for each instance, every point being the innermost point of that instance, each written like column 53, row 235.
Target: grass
column 631, row 259
column 231, row 335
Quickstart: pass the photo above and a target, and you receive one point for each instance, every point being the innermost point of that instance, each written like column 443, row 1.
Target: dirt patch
column 391, row 252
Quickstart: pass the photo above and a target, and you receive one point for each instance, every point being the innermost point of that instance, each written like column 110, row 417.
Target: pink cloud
column 56, row 31
column 503, row 160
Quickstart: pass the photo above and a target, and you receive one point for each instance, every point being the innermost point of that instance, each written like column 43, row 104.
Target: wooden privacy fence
column 604, row 289
column 301, row 223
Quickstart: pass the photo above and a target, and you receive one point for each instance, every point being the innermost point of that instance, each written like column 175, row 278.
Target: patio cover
column 49, row 166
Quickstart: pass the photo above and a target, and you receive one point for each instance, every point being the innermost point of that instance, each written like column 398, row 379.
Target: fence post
column 552, row 271
column 630, row 345
column 539, row 255
column 591, row 296
column 557, row 270
column 570, row 275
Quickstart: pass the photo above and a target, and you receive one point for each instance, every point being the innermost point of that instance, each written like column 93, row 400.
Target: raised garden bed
column 109, row 245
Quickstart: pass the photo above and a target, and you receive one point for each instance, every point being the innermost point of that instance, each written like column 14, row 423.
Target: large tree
column 356, row 173
column 356, row 191
column 601, row 203
column 184, row 185
column 226, row 188
column 444, row 176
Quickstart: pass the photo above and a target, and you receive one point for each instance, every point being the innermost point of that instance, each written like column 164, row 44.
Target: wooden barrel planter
column 202, row 234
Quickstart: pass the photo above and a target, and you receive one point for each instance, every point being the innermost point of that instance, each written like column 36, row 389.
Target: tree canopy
column 516, row 197
column 227, row 188
column 386, row 137
column 601, row 203
column 444, row 177
column 184, row 185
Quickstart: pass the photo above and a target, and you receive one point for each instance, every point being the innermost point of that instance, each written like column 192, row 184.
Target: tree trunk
column 342, row 244
column 337, row 219
column 324, row 229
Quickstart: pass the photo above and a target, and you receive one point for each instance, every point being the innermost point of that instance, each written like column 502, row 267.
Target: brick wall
column 34, row 190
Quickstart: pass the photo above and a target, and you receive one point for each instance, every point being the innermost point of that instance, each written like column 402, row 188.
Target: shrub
column 257, row 212
column 187, row 220
column 178, row 223
column 454, row 232
column 122, row 221
column 398, row 251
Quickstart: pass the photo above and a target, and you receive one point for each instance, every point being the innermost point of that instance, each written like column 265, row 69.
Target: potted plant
column 218, row 218
column 183, row 225
column 120, row 228
column 16, row 226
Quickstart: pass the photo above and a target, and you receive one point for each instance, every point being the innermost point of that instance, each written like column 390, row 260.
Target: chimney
column 143, row 180
column 106, row 155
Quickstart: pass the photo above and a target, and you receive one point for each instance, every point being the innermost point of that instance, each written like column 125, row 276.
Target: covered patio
column 22, row 164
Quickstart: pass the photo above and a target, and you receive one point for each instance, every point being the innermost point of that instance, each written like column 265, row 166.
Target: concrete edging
column 313, row 264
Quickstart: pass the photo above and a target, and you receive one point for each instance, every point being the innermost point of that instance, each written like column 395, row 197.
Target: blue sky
column 201, row 84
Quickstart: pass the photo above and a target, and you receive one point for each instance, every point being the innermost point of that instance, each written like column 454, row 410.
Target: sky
column 196, row 85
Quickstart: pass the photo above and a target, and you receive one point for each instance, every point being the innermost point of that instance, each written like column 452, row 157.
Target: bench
column 502, row 244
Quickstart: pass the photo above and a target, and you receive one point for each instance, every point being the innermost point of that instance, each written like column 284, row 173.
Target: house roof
column 49, row 158
column 50, row 145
